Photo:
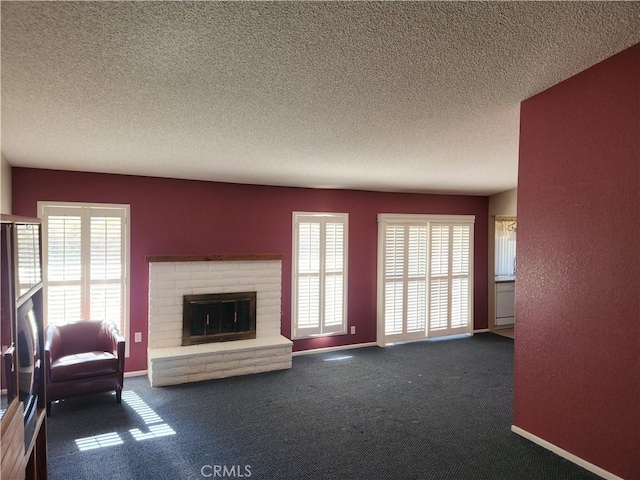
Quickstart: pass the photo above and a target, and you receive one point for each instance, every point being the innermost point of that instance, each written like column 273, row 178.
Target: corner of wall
column 576, row 383
column 504, row 204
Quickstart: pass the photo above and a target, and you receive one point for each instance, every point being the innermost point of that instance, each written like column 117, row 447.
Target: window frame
column 428, row 220
column 321, row 218
column 86, row 211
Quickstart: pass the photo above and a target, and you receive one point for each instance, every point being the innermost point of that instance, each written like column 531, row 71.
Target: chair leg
column 118, row 395
column 48, row 409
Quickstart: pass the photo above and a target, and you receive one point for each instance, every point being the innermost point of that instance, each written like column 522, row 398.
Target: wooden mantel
column 215, row 258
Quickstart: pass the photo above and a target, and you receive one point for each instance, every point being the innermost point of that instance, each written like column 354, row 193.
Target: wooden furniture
column 23, row 423
column 83, row 357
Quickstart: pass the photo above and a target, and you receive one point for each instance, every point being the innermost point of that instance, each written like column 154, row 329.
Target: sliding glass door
column 425, row 280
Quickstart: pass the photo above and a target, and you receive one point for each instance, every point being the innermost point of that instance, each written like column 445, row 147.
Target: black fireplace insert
column 218, row 317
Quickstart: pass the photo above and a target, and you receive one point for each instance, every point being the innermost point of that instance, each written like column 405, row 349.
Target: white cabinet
column 505, row 301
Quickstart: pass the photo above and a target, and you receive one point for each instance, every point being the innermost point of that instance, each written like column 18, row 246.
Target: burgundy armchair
column 81, row 358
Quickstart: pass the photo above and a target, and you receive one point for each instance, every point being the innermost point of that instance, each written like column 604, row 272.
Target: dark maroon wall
column 171, row 216
column 577, row 360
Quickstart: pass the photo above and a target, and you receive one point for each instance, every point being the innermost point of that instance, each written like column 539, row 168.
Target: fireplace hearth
column 171, row 277
column 218, row 317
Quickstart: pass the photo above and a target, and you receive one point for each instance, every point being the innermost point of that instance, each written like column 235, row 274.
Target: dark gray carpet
column 427, row 410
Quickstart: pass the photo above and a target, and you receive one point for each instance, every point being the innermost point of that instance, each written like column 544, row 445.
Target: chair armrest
column 47, row 365
column 120, row 346
column 115, row 341
column 51, row 349
column 52, row 344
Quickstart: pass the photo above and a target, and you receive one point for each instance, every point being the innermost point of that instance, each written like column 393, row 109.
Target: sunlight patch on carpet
column 333, row 359
column 155, row 425
column 99, row 441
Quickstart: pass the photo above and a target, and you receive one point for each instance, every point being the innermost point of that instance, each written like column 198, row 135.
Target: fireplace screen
column 219, row 317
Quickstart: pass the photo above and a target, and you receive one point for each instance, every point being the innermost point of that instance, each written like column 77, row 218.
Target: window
column 319, row 274
column 505, row 240
column 86, row 253
column 425, row 280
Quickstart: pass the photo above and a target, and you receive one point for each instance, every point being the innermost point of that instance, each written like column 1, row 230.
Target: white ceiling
column 388, row 96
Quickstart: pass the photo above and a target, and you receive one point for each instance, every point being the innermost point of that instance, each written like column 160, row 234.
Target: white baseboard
column 481, row 330
column 564, row 454
column 334, row 349
column 137, row 373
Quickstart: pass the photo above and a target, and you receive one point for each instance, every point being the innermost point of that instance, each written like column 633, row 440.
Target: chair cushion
column 83, row 365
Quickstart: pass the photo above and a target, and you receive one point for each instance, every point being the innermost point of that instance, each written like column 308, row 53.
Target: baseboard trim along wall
column 137, row 373
column 481, row 330
column 564, row 454
column 334, row 349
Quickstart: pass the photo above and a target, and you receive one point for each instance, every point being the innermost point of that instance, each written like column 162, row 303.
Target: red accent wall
column 577, row 351
column 170, row 216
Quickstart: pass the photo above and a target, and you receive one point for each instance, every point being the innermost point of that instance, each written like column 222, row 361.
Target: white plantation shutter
column 416, row 281
column 319, row 289
column 424, row 276
column 394, row 308
column 333, row 275
column 460, row 268
column 394, row 255
column 106, row 268
column 438, row 304
column 86, row 258
column 28, row 251
column 63, row 260
column 449, row 279
column 308, row 311
column 438, row 285
column 405, row 259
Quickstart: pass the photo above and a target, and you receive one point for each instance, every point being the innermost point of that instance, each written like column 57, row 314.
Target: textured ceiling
column 390, row 96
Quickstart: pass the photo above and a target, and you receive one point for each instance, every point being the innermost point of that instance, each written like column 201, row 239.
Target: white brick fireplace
column 172, row 277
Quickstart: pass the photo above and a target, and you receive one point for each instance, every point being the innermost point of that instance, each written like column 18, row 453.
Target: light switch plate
column 138, row 337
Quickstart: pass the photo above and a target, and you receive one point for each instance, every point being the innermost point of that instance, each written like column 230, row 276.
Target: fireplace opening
column 218, row 317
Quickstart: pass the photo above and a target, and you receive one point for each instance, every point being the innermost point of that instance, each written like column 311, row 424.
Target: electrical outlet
column 353, row 330
column 138, row 337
